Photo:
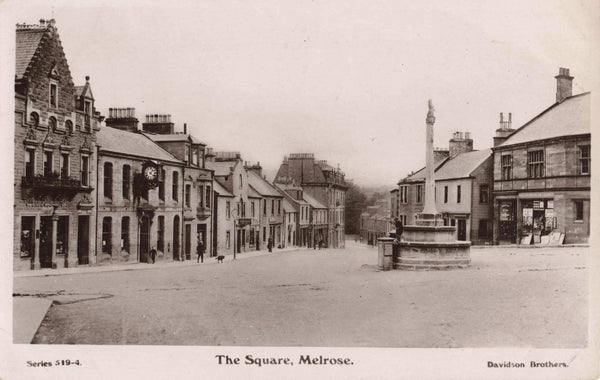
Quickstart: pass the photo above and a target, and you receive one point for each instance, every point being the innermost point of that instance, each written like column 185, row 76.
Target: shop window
column 125, row 234
column 579, row 211
column 27, row 236
column 535, row 164
column 584, row 159
column 484, row 193
column 108, row 180
column 126, row 181
column 506, row 161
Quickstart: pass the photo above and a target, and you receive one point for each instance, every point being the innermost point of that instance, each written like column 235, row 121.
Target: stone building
column 542, row 173
column 133, row 217
column 294, row 195
column 462, row 190
column 197, row 181
column 55, row 155
column 324, row 183
column 318, row 227
column 375, row 222
column 271, row 208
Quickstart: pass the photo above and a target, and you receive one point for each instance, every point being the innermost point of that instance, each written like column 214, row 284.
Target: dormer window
column 195, row 157
column 53, row 94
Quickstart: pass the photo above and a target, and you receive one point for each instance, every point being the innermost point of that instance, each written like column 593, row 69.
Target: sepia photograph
column 323, row 189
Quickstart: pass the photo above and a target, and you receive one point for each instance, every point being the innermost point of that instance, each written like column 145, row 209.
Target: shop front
column 538, row 221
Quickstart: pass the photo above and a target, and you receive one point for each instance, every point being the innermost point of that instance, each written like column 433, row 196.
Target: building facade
column 55, row 155
column 542, row 173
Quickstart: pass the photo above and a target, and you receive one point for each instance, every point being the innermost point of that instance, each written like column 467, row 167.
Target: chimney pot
column 510, row 117
column 501, row 117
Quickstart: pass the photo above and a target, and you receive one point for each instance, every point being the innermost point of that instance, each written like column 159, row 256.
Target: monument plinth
column 428, row 244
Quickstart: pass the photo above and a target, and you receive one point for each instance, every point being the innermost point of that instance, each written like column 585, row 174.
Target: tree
column 356, row 202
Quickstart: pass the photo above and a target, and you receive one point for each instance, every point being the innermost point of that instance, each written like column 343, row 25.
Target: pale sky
column 346, row 80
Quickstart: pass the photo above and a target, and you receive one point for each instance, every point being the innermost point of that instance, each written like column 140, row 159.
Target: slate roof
column 221, row 190
column 312, row 201
column 287, row 206
column 220, row 168
column 420, row 174
column 253, row 193
column 570, row 117
column 169, row 137
column 27, row 43
column 462, row 165
column 261, row 185
column 132, row 143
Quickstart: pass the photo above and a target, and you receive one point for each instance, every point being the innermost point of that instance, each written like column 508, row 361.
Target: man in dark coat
column 399, row 228
column 270, row 245
column 200, row 251
column 153, row 254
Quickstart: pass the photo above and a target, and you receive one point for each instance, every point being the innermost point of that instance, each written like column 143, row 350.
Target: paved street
column 508, row 297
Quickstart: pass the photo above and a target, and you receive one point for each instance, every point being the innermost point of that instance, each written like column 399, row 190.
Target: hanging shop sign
column 505, row 213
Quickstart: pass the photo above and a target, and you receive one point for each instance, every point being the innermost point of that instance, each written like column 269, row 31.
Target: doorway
column 27, row 236
column 83, row 239
column 238, row 242
column 46, row 242
column 188, row 241
column 176, row 238
column 201, row 235
column 144, row 239
column 461, row 229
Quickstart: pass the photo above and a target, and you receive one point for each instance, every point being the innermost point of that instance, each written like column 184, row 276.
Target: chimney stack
column 505, row 129
column 185, row 128
column 460, row 143
column 564, row 85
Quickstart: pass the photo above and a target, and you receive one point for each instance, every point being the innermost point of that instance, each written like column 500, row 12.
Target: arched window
column 108, row 172
column 34, row 119
column 241, row 183
column 52, row 123
column 69, row 126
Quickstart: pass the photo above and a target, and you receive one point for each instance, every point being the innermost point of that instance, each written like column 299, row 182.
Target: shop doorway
column 507, row 225
column 461, row 229
column 144, row 239
column 46, row 242
column 27, row 236
column 83, row 239
column 201, row 235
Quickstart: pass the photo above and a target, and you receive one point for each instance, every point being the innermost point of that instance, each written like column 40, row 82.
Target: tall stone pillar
column 429, row 216
column 54, row 237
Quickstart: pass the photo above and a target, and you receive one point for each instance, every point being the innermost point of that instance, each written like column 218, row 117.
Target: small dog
column 220, row 259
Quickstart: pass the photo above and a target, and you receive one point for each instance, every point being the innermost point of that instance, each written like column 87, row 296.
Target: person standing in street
column 153, row 255
column 399, row 228
column 270, row 245
column 200, row 251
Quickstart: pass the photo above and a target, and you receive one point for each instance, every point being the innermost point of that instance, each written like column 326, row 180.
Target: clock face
column 150, row 173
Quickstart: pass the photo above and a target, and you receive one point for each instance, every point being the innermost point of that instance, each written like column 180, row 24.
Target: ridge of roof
column 132, row 143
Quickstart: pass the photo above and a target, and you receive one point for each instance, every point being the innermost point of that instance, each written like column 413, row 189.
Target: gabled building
column 294, row 195
column 542, row 173
column 197, row 181
column 134, row 217
column 324, row 183
column 319, row 225
column 271, row 210
column 55, row 154
column 375, row 222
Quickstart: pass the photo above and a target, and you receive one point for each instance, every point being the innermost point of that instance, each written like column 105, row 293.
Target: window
column 47, row 163
column 187, row 153
column 241, row 183
column 53, row 95
column 419, row 193
column 161, row 185
column 125, row 234
column 506, row 162
column 200, row 196
column 126, row 181
column 64, row 165
column 243, row 209
column 85, row 167
column 404, row 194
column 195, row 156
column 278, row 207
column 535, row 164
column 160, row 234
column 458, row 194
column 34, row 119
column 107, row 235
column 484, row 193
column 227, row 239
column 578, row 211
column 584, row 159
column 69, row 126
column 87, row 116
column 188, row 190
column 484, row 231
column 264, row 233
column 445, row 194
column 252, row 209
column 175, row 190
column 108, row 180
column 228, row 209
column 264, row 201
column 29, row 163
column 52, row 124
column 238, row 209
column 207, row 193
column 272, row 206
